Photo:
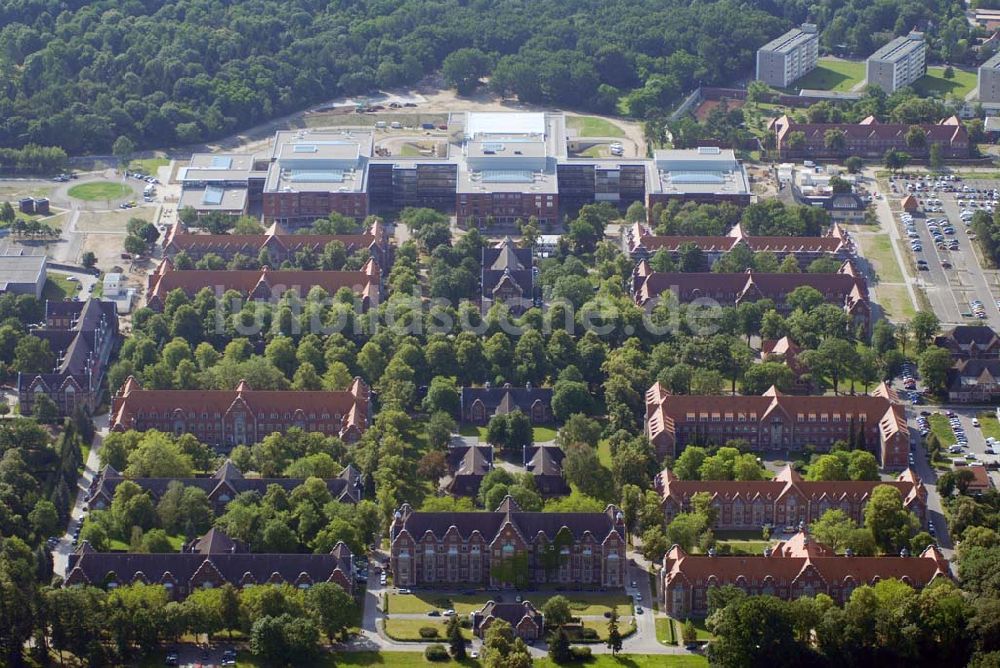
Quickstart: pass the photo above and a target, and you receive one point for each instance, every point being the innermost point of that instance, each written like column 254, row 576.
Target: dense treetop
column 80, row 74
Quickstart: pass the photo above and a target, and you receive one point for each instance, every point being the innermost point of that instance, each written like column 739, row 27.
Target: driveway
column 62, row 549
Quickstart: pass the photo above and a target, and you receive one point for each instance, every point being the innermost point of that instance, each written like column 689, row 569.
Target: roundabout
column 94, row 191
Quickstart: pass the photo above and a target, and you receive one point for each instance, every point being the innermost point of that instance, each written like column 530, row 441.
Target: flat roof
column 504, row 122
column 506, row 147
column 792, row 39
column 504, row 180
column 214, row 199
column 20, row 269
column 705, row 170
column 900, row 47
column 234, row 162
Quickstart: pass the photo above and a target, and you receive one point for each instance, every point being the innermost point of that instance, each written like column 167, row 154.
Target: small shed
column 909, row 204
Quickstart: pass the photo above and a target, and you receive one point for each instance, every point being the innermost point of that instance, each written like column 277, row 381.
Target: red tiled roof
column 131, row 400
column 265, row 282
column 784, row 566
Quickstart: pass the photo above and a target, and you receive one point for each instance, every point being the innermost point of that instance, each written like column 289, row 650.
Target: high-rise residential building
column 899, row 63
column 783, row 60
column 989, row 80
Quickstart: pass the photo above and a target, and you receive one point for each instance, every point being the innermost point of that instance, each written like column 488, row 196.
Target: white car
column 975, row 422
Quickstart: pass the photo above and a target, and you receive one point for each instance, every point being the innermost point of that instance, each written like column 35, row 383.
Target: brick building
column 868, row 139
column 480, row 404
column 242, row 416
column 211, row 561
column 280, row 245
column 222, row 487
column 508, row 548
column 970, row 342
column 641, row 244
column 507, row 276
column 778, row 422
column 847, row 288
column 786, row 500
column 528, row 623
column 262, row 284
column 82, row 336
column 795, row 568
column 467, row 466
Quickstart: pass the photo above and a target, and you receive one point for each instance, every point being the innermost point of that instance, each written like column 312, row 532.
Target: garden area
column 581, row 603
column 989, row 425
column 833, row 74
column 57, row 288
column 936, row 84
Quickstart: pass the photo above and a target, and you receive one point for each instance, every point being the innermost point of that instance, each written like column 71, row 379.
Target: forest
column 78, row 75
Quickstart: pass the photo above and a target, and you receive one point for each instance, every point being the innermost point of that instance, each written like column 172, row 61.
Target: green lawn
column 592, row 126
column 878, row 250
column 176, row 542
column 148, row 165
column 604, row 453
column 582, row 603
column 625, row 624
column 635, row 661
column 409, row 659
column 699, row 625
column 665, row 630
column 537, row 433
column 988, row 425
column 839, row 75
column 409, row 629
column 934, row 84
column 100, row 190
column 941, row 429
column 57, row 288
column 543, row 433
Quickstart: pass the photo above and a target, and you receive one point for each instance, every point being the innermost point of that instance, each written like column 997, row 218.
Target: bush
column 588, row 633
column 436, row 652
column 581, row 653
column 427, row 632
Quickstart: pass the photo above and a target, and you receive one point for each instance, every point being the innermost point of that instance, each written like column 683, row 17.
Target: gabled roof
column 528, row 524
column 511, row 612
column 132, row 401
column 679, row 492
column 794, row 558
column 263, row 283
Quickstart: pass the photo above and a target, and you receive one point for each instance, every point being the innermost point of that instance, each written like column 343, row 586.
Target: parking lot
column 938, row 234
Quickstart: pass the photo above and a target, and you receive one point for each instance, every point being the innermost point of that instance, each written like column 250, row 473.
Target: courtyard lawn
column 832, row 74
column 592, row 126
column 409, row 629
column 100, row 190
column 57, row 288
column 988, row 425
column 634, row 661
column 539, row 434
column 934, row 83
column 473, row 430
column 582, row 603
column 625, row 624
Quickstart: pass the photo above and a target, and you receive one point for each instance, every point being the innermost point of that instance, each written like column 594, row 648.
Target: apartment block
column 797, row 567
column 783, row 60
column 243, row 416
column 989, row 80
column 899, row 63
column 779, row 422
column 786, row 500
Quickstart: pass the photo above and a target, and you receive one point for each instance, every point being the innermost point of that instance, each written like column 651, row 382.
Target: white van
column 380, row 125
column 396, row 125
